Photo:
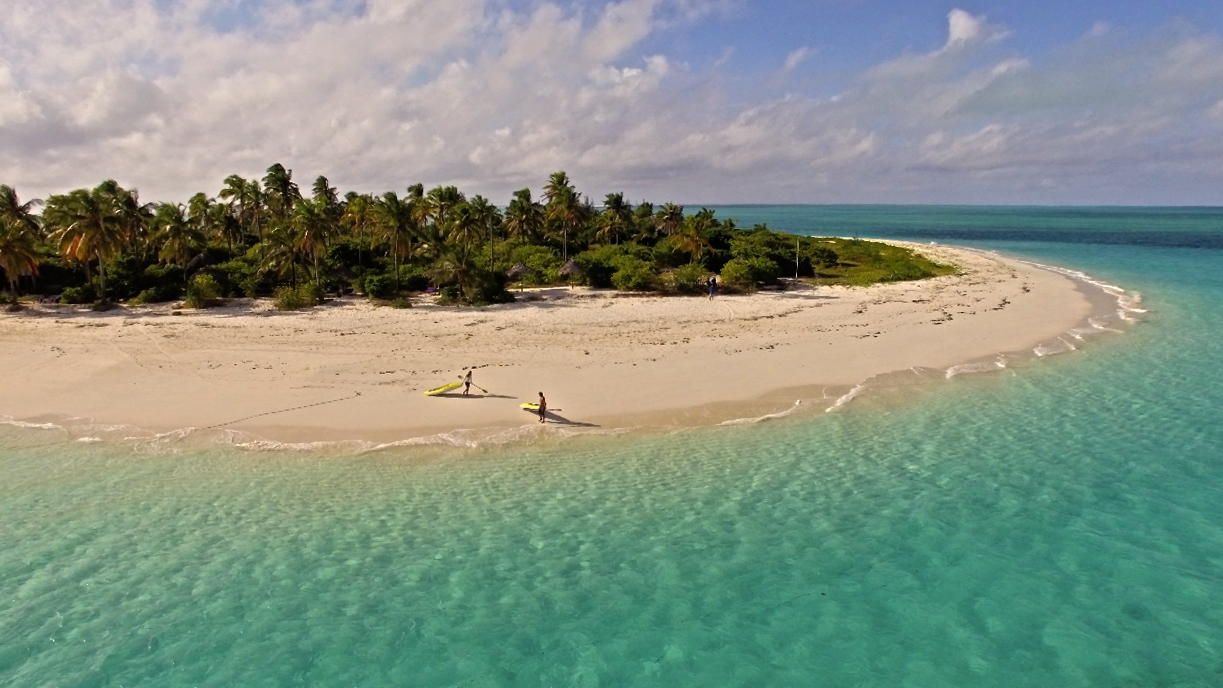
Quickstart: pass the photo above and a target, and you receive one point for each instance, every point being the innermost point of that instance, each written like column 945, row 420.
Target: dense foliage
column 268, row 237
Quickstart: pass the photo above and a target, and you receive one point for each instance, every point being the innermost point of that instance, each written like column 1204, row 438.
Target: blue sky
column 698, row 101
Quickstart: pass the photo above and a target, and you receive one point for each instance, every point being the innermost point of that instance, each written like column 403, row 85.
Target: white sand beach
column 349, row 370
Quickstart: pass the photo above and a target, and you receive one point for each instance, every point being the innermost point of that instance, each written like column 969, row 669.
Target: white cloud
column 965, row 29
column 795, row 58
column 387, row 92
column 1098, row 29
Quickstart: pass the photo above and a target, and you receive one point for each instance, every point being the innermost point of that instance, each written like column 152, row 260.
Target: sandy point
column 353, row 371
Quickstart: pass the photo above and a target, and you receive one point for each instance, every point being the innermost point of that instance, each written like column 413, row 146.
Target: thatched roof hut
column 571, row 269
column 519, row 271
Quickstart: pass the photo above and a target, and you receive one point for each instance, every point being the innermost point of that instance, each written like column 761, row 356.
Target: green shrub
column 544, row 262
column 239, row 276
column 412, row 278
column 163, row 281
column 290, row 299
column 665, row 255
column 449, row 296
column 151, row 295
column 746, row 273
column 598, row 266
column 203, row 292
column 312, row 293
column 378, row 286
column 601, row 263
column 688, row 279
column 633, row 274
column 82, row 294
column 736, row 273
column 401, row 302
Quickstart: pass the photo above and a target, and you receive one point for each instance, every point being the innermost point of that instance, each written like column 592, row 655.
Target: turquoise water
column 1056, row 525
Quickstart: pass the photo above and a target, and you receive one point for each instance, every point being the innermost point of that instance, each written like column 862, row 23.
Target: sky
column 692, row 101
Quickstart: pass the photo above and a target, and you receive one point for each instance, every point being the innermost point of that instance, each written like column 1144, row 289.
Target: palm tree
column 312, row 228
column 691, row 237
column 224, row 225
column 488, row 218
column 357, row 216
column 397, row 225
column 615, row 219
column 565, row 208
column 282, row 252
column 454, row 266
column 643, row 221
column 86, row 225
column 19, row 255
column 281, row 192
column 558, row 186
column 19, row 237
column 325, row 192
column 669, row 218
column 133, row 217
column 198, row 210
column 13, row 210
column 177, row 234
column 247, row 200
column 524, row 218
column 440, row 202
column 465, row 228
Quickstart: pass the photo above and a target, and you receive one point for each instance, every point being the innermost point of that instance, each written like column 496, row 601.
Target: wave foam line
column 765, row 417
column 9, row 420
column 1127, row 301
column 847, row 397
column 1052, row 348
column 998, row 364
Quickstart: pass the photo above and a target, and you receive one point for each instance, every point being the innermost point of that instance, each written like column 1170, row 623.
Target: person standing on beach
column 543, row 407
column 713, row 284
column 467, row 383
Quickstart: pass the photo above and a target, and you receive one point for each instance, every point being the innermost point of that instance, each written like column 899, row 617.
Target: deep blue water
column 1056, row 525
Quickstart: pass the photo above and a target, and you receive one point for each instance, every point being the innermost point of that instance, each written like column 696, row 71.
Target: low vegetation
column 268, row 238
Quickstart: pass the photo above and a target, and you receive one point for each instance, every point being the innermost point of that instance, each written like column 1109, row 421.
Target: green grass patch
column 861, row 263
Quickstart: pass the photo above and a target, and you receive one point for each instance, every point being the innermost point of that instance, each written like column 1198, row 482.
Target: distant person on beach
column 713, row 284
column 467, row 383
column 543, row 407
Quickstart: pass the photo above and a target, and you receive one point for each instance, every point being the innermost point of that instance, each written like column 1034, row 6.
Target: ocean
column 1059, row 523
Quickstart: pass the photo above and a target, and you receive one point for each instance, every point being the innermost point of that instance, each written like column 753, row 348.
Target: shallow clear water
column 1058, row 525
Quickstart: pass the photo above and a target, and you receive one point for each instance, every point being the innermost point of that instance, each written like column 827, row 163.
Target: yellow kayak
column 531, row 407
column 448, row 387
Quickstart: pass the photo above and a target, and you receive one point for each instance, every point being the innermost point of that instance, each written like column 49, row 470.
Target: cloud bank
column 171, row 97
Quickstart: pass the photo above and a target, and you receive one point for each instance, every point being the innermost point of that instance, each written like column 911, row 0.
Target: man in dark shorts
column 713, row 284
column 467, row 383
column 543, row 407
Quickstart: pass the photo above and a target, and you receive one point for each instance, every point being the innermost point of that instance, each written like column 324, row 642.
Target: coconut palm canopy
column 256, row 235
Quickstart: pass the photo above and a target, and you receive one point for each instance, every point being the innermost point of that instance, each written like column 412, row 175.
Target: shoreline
column 351, row 373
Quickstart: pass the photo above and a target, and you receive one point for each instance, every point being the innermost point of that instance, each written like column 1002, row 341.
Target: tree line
column 269, row 237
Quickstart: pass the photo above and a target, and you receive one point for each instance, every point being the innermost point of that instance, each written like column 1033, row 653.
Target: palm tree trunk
column 395, row 260
column 102, row 275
